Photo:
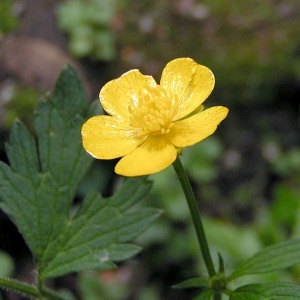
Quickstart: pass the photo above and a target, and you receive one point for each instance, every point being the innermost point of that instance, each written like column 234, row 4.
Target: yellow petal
column 106, row 137
column 117, row 94
column 192, row 130
column 154, row 155
column 191, row 82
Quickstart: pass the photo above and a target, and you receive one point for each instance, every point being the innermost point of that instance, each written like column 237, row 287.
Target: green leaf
column 221, row 263
column 192, row 283
column 279, row 256
column 267, row 291
column 205, row 295
column 38, row 188
column 99, row 233
column 286, row 205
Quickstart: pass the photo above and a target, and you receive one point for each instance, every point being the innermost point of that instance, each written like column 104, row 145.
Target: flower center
column 153, row 111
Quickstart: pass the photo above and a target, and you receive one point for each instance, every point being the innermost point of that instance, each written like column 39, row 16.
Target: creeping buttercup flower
column 149, row 123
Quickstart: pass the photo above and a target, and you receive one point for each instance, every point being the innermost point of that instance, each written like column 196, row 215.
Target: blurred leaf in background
column 20, row 103
column 8, row 21
column 6, row 264
column 89, row 26
column 249, row 47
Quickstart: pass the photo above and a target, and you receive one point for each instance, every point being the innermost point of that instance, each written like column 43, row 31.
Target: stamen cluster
column 153, row 111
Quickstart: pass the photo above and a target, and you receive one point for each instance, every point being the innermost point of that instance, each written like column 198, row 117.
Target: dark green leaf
column 267, row 291
column 37, row 190
column 205, row 295
column 221, row 263
column 58, row 124
column 279, row 256
column 99, row 233
column 22, row 152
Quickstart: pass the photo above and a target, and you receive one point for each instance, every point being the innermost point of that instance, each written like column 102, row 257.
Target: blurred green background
column 246, row 176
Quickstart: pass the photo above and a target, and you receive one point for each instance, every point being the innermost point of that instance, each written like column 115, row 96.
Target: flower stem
column 17, row 286
column 191, row 200
column 28, row 290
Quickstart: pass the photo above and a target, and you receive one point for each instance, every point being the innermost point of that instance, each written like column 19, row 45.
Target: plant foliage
column 38, row 187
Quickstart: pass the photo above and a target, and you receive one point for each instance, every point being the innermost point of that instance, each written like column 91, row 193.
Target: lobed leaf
column 99, row 233
column 37, row 190
column 58, row 123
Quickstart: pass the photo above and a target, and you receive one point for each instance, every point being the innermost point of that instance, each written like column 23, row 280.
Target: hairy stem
column 19, row 287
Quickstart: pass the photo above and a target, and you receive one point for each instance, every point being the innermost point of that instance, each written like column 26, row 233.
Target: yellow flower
column 148, row 123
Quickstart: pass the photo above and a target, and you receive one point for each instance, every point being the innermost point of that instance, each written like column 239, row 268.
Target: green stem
column 28, row 290
column 17, row 286
column 191, row 200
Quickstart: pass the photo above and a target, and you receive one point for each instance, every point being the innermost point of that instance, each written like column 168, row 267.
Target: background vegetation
column 247, row 176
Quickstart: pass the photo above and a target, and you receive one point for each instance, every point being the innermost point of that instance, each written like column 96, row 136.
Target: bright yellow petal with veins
column 191, row 82
column 117, row 94
column 192, row 130
column 154, row 155
column 106, row 137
